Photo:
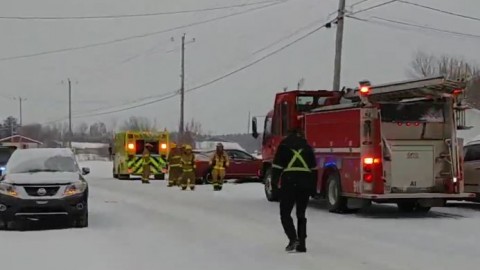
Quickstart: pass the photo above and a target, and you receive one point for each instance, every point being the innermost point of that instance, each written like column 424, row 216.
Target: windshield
column 413, row 112
column 5, row 155
column 56, row 163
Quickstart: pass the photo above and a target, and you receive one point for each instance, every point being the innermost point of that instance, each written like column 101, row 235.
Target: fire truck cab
column 391, row 143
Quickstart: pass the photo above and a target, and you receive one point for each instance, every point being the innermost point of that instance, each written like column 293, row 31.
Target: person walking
column 146, row 163
column 174, row 166
column 294, row 169
column 219, row 163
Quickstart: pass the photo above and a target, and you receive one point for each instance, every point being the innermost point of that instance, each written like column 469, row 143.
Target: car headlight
column 76, row 188
column 7, row 189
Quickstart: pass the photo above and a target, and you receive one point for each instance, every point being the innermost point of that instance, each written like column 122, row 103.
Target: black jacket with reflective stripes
column 295, row 163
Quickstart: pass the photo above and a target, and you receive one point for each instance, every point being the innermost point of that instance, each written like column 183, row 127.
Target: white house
column 20, row 142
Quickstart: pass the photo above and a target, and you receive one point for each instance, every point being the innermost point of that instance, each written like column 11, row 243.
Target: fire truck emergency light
column 131, row 146
column 457, row 92
column 163, row 146
column 364, row 89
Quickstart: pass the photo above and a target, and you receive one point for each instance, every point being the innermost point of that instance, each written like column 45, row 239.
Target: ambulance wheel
column 159, row 176
column 271, row 189
column 336, row 202
column 124, row 176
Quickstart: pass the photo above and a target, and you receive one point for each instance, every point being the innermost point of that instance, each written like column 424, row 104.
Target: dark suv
column 5, row 153
column 46, row 182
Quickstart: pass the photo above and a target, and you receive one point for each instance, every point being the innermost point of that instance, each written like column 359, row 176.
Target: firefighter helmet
column 188, row 147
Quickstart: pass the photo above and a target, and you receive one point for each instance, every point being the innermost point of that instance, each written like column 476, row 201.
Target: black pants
column 289, row 197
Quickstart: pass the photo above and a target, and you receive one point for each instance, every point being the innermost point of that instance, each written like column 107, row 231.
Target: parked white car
column 471, row 165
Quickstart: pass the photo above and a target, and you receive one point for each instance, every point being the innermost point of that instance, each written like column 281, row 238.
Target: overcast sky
column 120, row 73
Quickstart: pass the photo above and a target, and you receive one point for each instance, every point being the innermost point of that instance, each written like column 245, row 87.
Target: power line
column 132, row 15
column 424, row 27
column 316, row 22
column 176, row 92
column 440, row 10
column 358, row 3
column 98, row 44
column 374, row 7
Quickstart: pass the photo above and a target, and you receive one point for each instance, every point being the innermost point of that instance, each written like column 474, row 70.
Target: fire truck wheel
column 412, row 206
column 336, row 202
column 271, row 189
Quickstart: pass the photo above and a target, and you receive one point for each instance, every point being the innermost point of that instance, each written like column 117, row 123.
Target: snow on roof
column 86, row 145
column 213, row 144
column 19, row 138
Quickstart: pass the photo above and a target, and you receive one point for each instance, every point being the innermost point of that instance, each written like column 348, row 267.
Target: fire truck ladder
column 435, row 87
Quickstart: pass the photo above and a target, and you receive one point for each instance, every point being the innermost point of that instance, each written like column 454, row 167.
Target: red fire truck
column 391, row 143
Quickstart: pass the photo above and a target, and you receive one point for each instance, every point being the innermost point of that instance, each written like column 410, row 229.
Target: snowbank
column 85, row 157
column 86, row 145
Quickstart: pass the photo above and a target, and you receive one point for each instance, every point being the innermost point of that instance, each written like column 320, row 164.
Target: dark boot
column 292, row 245
column 301, row 246
column 302, row 234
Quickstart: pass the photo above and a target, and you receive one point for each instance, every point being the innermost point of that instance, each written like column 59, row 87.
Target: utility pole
column 181, row 129
column 248, row 127
column 338, row 46
column 69, row 113
column 182, row 93
column 20, row 100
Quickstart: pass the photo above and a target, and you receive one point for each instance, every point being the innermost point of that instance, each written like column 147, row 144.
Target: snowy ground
column 135, row 226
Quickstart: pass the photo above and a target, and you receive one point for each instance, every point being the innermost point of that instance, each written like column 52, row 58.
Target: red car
column 242, row 165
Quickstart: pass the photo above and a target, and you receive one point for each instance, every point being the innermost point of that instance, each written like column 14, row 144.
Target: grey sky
column 126, row 71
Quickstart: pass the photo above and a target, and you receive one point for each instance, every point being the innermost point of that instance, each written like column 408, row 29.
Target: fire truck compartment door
column 412, row 167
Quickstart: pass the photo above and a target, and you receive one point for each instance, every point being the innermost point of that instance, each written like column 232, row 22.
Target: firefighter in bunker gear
column 146, row 164
column 174, row 166
column 294, row 169
column 188, row 169
column 219, row 163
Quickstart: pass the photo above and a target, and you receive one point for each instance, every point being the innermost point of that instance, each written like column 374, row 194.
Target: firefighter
column 188, row 169
column 294, row 169
column 146, row 164
column 174, row 166
column 219, row 163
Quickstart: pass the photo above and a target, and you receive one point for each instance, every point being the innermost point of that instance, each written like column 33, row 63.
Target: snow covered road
column 135, row 226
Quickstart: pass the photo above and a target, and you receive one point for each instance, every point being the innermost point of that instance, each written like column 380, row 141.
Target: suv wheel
column 81, row 221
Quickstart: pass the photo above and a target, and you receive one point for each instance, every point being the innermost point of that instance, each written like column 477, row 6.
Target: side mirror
column 85, row 171
column 254, row 128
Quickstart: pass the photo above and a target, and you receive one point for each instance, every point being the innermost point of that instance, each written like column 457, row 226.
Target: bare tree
column 194, row 127
column 33, row 131
column 454, row 68
column 82, row 129
column 138, row 124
